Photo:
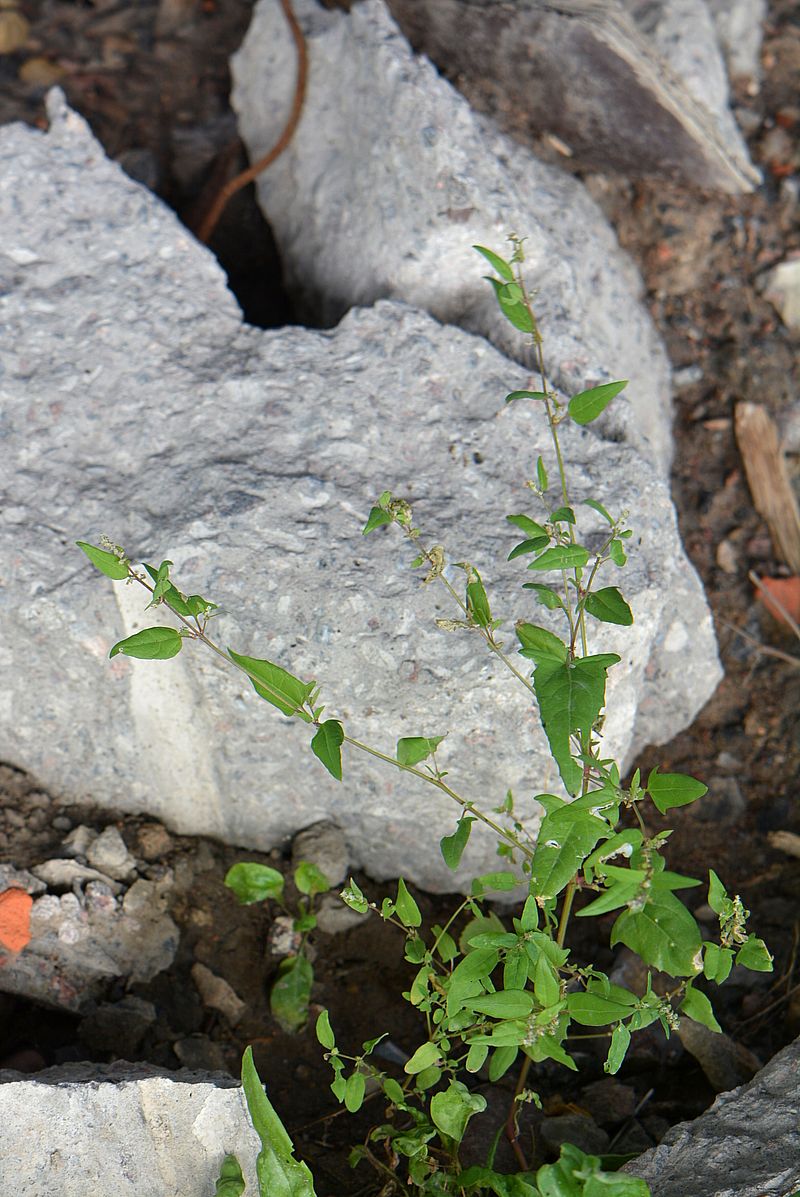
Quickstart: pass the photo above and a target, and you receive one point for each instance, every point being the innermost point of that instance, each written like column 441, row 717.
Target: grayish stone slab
column 746, row 1145
column 635, row 86
column 390, row 179
column 156, row 1136
column 134, row 403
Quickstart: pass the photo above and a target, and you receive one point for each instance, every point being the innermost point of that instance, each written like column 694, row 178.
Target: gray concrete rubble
column 740, row 30
column 136, row 404
column 84, row 939
column 390, row 179
column 133, row 1131
column 634, row 86
column 746, row 1145
column 138, row 1135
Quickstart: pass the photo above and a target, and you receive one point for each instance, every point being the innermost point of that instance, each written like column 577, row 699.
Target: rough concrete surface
column 158, row 1136
column 746, row 1145
column 389, row 180
column 135, row 404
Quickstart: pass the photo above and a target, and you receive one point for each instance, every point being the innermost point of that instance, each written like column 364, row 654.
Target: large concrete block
column 390, row 179
column 135, row 403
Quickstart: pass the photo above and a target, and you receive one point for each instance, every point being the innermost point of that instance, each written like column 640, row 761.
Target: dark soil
column 152, row 80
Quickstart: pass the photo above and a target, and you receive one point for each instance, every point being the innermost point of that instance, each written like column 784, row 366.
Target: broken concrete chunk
column 318, row 424
column 391, row 178
column 217, row 994
column 78, row 841
column 109, row 853
column 740, row 28
column 781, row 286
column 323, row 844
column 68, row 874
column 637, row 87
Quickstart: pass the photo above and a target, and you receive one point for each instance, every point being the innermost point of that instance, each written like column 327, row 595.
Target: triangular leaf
column 538, row 644
column 278, row 1172
column 496, row 262
column 275, row 685
column 108, row 563
column 151, row 644
column 609, row 606
column 562, row 556
column 673, row 789
column 588, row 405
column 452, row 846
column 565, row 839
column 327, row 746
column 413, row 749
column 570, row 697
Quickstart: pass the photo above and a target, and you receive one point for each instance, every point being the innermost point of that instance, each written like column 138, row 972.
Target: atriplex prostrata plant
column 489, row 993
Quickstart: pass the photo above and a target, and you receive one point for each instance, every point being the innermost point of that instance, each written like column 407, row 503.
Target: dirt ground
column 152, row 80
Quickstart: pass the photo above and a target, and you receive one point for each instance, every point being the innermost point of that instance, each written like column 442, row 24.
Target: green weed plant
column 493, row 995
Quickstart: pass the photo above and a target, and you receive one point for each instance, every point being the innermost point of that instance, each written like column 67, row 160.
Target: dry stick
column 768, row 479
column 209, row 222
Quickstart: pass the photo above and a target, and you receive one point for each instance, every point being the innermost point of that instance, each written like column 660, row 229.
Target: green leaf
column 354, row 1092
column 274, row 684
column 503, row 881
column 546, row 984
column 478, row 603
column 279, row 1173
column 413, row 749
column 673, row 789
column 452, row 1109
column 230, row 1182
column 588, row 405
column 252, row 882
column 352, row 896
column 617, row 1049
column 501, row 1061
column 394, row 1091
column 509, row 297
column 496, row 262
column 562, row 556
column 324, row 1031
column 695, row 1005
column 407, row 910
column 541, row 475
column 452, row 846
column 717, row 894
column 508, row 1003
column 108, row 563
column 525, row 395
column 545, row 595
column 547, row 1047
column 565, row 838
column 538, row 644
column 570, row 697
column 616, row 552
column 609, row 606
column 594, row 1010
column 529, row 546
column 310, row 879
column 376, row 518
column 151, row 644
column 717, row 963
column 327, row 746
column 755, row 955
column 291, row 993
column 663, row 933
column 425, row 1055
column 476, row 1057
column 564, row 515
column 527, row 525
column 599, row 508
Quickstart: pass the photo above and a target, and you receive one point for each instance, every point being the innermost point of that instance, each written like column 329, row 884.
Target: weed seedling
column 493, row 995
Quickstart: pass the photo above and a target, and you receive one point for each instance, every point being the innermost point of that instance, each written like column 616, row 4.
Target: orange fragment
column 787, row 592
column 15, row 919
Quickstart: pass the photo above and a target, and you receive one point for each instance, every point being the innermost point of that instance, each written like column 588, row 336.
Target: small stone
column 118, row 1027
column 282, row 939
column 62, row 823
column 14, row 30
column 201, row 1054
column 217, row 994
column 577, row 1129
column 633, row 1140
column 153, row 841
column 781, row 286
column 67, row 874
column 109, row 854
column 41, row 72
column 724, row 802
column 726, row 1063
column 334, row 917
column 609, row 1101
column 78, row 841
column 687, row 376
column 727, row 558
column 323, row 844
